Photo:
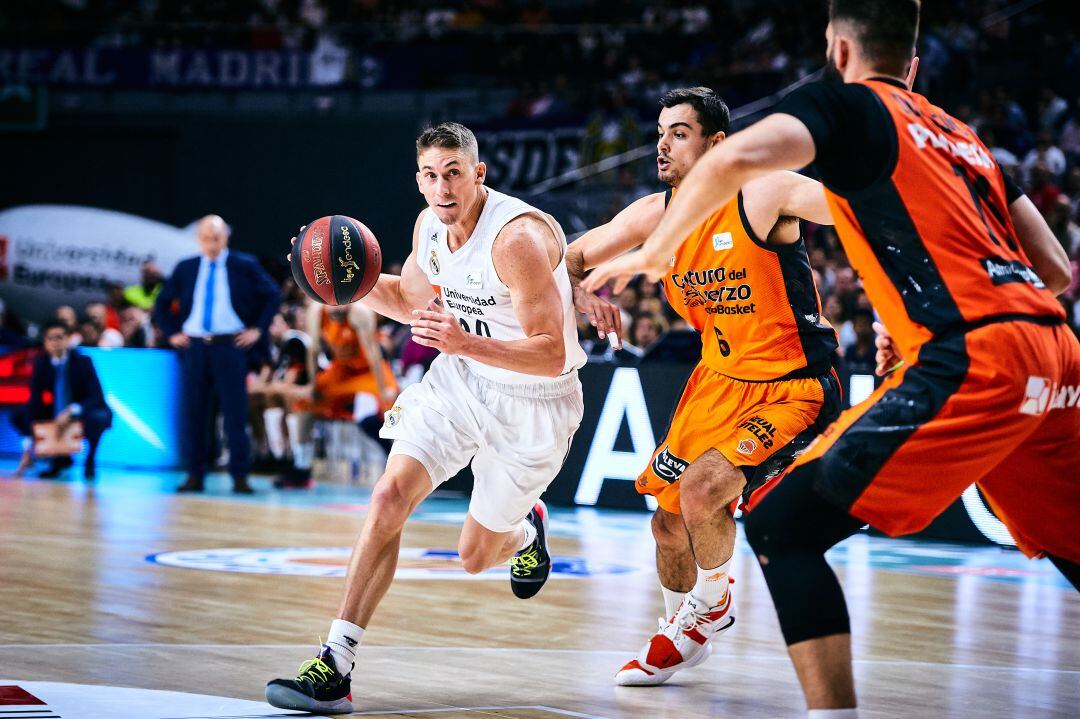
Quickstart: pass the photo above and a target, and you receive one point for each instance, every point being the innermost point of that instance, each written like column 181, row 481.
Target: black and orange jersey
column 926, row 224
column 755, row 304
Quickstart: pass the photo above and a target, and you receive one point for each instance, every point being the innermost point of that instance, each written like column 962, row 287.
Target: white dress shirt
column 224, row 319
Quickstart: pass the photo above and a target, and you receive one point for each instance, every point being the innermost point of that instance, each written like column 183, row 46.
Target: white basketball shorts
column 516, row 435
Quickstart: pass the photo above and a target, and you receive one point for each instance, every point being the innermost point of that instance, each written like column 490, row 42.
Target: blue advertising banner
column 142, row 388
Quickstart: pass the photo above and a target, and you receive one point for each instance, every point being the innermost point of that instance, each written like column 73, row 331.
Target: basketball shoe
column 681, row 643
column 530, row 567
column 319, row 688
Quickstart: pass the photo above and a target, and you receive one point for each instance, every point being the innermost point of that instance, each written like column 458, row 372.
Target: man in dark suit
column 64, row 387
column 216, row 310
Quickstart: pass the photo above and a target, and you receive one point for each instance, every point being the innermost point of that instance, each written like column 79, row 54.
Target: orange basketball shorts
column 337, row 386
column 758, row 426
column 998, row 406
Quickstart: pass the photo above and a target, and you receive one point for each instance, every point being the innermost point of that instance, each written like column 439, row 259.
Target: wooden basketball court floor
column 124, row 600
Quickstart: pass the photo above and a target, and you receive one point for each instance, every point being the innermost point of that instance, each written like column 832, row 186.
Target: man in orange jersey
column 962, row 270
column 763, row 390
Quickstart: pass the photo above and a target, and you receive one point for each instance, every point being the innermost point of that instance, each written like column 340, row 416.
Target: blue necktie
column 61, row 388
column 208, row 305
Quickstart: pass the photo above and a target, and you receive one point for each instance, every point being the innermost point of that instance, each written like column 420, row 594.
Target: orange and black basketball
column 336, row 260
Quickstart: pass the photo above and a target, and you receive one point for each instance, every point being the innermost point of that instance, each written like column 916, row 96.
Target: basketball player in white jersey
column 504, row 394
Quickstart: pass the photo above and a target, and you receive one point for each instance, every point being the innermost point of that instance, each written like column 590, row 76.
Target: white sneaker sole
column 652, row 677
column 285, row 698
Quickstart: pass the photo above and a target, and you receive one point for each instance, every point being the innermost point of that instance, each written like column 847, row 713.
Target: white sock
column 303, row 452
column 530, row 534
column 672, row 600
column 275, row 436
column 343, row 640
column 712, row 584
column 832, row 714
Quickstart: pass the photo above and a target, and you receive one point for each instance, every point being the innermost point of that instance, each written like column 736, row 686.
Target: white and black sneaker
column 319, row 688
column 530, row 567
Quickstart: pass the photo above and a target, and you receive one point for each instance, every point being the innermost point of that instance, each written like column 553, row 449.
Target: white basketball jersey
column 472, row 291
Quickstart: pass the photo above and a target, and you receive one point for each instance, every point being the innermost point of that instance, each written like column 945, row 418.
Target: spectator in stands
column 1059, row 218
column 64, row 387
column 135, row 327
column 275, row 389
column 1070, row 135
column 1042, row 190
column 145, row 291
column 65, row 314
column 859, row 356
column 108, row 335
column 226, row 302
column 1048, row 155
column 646, row 328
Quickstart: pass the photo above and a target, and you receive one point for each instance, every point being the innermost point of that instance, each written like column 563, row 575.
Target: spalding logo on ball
column 336, row 260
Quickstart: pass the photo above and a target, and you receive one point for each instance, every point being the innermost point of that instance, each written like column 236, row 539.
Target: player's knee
column 706, row 489
column 668, row 529
column 475, row 558
column 391, row 503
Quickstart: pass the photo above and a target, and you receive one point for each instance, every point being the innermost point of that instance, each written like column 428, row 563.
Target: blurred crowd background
column 1010, row 70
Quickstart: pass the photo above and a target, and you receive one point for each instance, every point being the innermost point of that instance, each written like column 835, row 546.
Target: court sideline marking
column 499, row 650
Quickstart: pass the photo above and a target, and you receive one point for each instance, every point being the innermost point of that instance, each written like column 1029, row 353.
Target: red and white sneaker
column 681, row 643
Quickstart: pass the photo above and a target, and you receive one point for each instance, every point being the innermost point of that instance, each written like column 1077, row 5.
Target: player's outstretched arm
column 524, row 255
column 792, row 195
column 1047, row 255
column 396, row 297
column 779, row 142
column 624, row 232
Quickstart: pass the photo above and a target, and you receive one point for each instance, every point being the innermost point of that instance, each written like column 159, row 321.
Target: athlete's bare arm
column 314, row 328
column 1042, row 248
column 624, row 232
column 525, row 253
column 779, row 142
column 775, row 203
column 366, row 324
column 396, row 297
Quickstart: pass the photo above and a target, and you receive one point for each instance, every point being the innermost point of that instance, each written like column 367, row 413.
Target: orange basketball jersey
column 933, row 242
column 344, row 343
column 755, row 304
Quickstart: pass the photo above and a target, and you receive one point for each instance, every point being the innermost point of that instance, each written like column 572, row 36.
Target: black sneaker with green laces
column 530, row 567
column 319, row 688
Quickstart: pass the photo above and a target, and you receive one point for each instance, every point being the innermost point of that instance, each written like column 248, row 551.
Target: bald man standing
column 215, row 310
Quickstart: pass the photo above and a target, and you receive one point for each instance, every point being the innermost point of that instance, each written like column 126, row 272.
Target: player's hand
column 435, row 327
column 292, row 243
column 64, row 419
column 887, row 357
column 622, row 269
column 910, row 80
column 180, row 340
column 389, row 396
column 247, row 338
column 603, row 315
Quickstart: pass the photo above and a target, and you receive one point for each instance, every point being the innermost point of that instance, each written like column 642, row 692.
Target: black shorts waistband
column 819, row 370
column 965, row 327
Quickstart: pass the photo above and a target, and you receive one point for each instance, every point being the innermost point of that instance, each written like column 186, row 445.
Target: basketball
column 336, row 260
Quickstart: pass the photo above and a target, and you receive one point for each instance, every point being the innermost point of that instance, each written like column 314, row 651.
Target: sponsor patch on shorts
column 667, row 466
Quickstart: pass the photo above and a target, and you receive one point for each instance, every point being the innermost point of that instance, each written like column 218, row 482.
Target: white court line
column 502, row 650
column 538, row 707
